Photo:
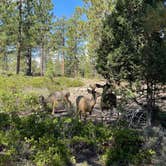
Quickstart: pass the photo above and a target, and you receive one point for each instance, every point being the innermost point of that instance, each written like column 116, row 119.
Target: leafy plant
column 127, row 148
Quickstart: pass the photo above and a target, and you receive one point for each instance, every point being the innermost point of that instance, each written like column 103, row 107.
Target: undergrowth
column 43, row 140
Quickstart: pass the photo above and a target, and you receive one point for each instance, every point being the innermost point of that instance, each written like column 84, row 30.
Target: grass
column 20, row 93
column 21, row 82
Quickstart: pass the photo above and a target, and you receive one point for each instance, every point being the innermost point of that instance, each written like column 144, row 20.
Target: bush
column 18, row 101
column 4, row 121
column 127, row 148
column 49, row 151
column 79, row 144
column 44, row 140
column 162, row 118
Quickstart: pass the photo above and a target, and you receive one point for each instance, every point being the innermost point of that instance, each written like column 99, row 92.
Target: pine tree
column 19, row 45
column 59, row 40
column 7, row 32
column 28, row 29
column 132, row 48
column 95, row 11
column 74, row 44
column 44, row 18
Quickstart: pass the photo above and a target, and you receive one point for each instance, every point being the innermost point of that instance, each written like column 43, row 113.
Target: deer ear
column 98, row 94
column 89, row 90
column 67, row 94
column 92, row 86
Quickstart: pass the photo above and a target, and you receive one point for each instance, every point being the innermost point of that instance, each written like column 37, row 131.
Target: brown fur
column 59, row 98
column 108, row 98
column 84, row 104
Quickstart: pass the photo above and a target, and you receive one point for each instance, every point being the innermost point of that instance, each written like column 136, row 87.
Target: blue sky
column 65, row 7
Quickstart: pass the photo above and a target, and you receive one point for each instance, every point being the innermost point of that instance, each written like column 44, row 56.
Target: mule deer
column 85, row 104
column 59, row 100
column 108, row 98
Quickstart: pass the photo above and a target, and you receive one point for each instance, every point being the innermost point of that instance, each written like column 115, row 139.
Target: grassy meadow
column 21, row 93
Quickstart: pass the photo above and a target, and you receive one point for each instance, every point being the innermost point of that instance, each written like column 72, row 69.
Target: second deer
column 84, row 104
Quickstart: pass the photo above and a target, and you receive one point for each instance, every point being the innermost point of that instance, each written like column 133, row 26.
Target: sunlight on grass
column 20, row 93
column 21, row 82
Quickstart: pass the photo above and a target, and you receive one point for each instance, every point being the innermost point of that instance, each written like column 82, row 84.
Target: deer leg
column 85, row 116
column 110, row 109
column 55, row 103
column 80, row 114
column 102, row 114
column 53, row 110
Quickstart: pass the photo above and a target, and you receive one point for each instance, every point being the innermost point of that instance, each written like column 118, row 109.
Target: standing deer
column 84, row 104
column 59, row 100
column 108, row 98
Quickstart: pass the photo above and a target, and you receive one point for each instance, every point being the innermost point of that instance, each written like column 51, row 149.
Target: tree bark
column 19, row 38
column 63, row 52
column 63, row 65
column 5, row 60
column 42, row 60
column 29, row 62
column 76, row 65
column 151, row 108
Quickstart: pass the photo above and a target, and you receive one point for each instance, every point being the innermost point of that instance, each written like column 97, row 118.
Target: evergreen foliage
column 131, row 46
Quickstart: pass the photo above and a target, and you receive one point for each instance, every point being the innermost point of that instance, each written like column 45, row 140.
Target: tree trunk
column 19, row 38
column 29, row 62
column 63, row 65
column 76, row 65
column 18, row 59
column 63, row 52
column 5, row 60
column 42, row 60
column 151, row 110
column 76, row 70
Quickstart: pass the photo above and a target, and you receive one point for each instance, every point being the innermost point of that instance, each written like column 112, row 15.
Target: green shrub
column 16, row 102
column 4, row 121
column 35, row 126
column 11, row 146
column 127, row 148
column 79, row 144
column 49, row 151
column 44, row 140
column 162, row 118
